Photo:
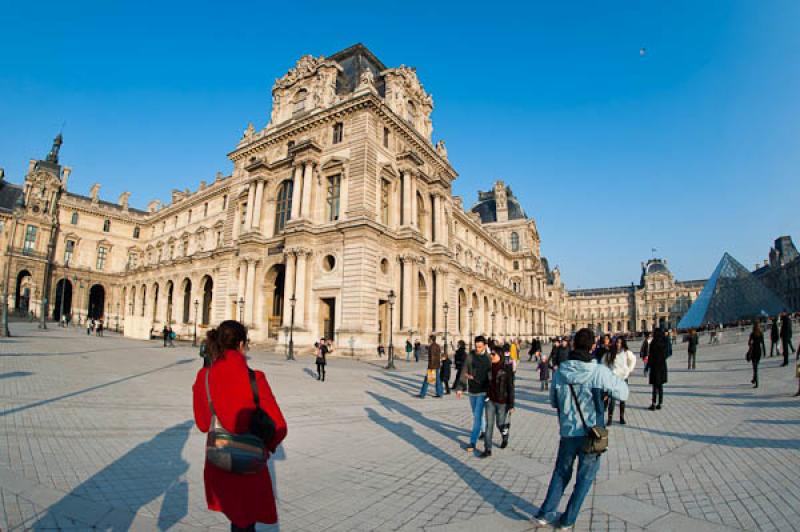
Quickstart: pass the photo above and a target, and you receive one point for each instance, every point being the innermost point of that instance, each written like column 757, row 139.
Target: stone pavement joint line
column 98, row 432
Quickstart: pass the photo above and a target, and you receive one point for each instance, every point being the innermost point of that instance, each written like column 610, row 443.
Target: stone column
column 406, row 312
column 300, row 290
column 406, row 198
column 305, row 208
column 297, row 188
column 242, row 282
column 257, row 208
column 288, row 287
column 248, row 299
column 251, row 200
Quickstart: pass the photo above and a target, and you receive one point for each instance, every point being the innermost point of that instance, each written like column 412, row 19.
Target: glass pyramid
column 732, row 293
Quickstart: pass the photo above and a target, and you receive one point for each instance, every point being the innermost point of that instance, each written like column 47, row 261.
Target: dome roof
column 486, row 207
column 656, row 267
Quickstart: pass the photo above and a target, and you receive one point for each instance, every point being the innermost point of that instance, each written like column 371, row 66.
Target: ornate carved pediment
column 306, row 66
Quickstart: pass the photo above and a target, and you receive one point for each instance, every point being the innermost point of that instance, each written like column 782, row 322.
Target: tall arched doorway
column 63, row 306
column 22, row 299
column 462, row 312
column 208, row 294
column 422, row 306
column 274, row 284
column 170, row 290
column 97, row 301
column 187, row 301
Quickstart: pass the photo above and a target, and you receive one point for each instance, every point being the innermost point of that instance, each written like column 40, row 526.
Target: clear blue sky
column 691, row 149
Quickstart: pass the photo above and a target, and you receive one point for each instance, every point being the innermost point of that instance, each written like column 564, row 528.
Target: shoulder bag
column 596, row 441
column 242, row 454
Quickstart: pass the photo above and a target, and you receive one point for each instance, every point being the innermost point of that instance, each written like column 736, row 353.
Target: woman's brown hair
column 228, row 335
column 757, row 328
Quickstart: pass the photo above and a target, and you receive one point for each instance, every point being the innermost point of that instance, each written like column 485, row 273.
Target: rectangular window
column 101, row 258
column 69, row 249
column 185, row 247
column 219, row 238
column 338, row 132
column 334, row 191
column 136, row 232
column 106, row 226
column 224, row 202
column 171, row 251
column 30, row 239
column 205, row 209
column 385, row 190
column 386, row 137
column 244, row 214
column 189, row 217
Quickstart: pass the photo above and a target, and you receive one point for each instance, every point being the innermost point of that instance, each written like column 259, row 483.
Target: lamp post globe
column 391, row 299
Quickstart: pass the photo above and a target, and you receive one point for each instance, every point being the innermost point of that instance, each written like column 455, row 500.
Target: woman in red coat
column 244, row 499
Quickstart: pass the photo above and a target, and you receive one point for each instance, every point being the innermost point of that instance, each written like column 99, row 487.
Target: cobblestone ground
column 98, row 432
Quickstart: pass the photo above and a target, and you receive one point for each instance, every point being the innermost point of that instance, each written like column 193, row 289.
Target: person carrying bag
column 236, row 407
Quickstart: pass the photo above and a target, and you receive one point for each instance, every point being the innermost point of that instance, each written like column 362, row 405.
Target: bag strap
column 578, row 406
column 208, row 394
column 253, row 385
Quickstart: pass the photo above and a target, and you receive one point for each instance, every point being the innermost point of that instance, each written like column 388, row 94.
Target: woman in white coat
column 621, row 362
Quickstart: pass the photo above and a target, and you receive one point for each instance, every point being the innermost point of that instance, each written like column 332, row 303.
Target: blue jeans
column 588, row 464
column 424, row 391
column 477, row 402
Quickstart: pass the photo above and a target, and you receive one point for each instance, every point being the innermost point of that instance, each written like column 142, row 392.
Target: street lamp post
column 470, row 313
column 241, row 310
column 493, row 316
column 117, row 327
column 290, row 354
column 445, row 308
column 391, row 299
column 194, row 339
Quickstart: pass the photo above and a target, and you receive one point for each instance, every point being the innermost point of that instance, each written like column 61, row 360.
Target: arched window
column 74, row 220
column 514, row 242
column 208, row 291
column 299, row 101
column 283, row 206
column 187, row 300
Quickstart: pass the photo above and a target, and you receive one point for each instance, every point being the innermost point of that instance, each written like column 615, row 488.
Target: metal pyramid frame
column 732, row 293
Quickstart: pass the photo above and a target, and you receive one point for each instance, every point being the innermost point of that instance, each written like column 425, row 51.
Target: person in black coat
column 458, row 359
column 756, row 350
column 786, row 337
column 444, row 372
column 774, row 338
column 657, row 361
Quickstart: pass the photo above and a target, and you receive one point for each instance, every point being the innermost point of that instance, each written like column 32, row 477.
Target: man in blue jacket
column 589, row 380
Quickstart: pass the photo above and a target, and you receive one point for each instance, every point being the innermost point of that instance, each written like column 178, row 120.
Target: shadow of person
column 278, row 456
column 503, row 501
column 154, row 467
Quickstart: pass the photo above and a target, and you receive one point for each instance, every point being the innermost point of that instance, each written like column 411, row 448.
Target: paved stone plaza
column 98, row 432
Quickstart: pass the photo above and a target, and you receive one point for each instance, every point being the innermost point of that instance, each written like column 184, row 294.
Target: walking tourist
column 786, row 337
column 577, row 391
column 165, row 334
column 756, row 349
column 535, row 350
column 224, row 395
column 694, row 340
column 621, row 361
column 603, row 348
column 544, row 372
column 171, row 336
column 100, row 325
column 417, row 350
column 444, row 372
column 458, row 359
column 657, row 361
column 322, row 358
column 475, row 380
column 644, row 351
column 409, row 348
column 774, row 338
column 434, row 364
column 500, row 403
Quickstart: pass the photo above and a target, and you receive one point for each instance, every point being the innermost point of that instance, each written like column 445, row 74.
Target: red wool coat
column 244, row 499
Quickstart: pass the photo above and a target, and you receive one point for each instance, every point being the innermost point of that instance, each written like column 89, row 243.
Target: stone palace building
column 337, row 220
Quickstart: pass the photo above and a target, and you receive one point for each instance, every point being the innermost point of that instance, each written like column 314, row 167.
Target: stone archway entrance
column 22, row 298
column 97, row 302
column 275, row 282
column 63, row 306
column 327, row 317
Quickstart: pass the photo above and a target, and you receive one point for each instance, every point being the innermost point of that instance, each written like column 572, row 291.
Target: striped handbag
column 242, row 454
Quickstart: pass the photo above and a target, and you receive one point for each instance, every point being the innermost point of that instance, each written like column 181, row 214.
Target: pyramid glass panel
column 732, row 293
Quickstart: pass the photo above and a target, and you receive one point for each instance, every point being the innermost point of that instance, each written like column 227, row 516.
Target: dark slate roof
column 107, row 203
column 486, row 207
column 10, row 194
column 354, row 60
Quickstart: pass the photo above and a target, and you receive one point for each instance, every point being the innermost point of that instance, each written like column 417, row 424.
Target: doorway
column 97, row 301
column 327, row 317
column 63, row 299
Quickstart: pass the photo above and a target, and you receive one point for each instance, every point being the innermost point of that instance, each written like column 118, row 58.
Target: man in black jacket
column 501, row 400
column 475, row 380
column 774, row 338
column 786, row 337
column 536, row 349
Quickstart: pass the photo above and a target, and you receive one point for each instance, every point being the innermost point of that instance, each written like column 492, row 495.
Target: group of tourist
column 589, row 377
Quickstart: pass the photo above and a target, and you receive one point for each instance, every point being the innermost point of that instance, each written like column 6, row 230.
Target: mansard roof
column 486, row 206
column 10, row 195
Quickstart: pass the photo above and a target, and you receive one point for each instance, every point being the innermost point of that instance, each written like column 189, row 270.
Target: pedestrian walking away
column 774, row 337
column 577, row 394
column 475, row 381
column 786, row 337
column 501, row 401
column 434, row 364
column 692, row 349
column 165, row 334
column 621, row 361
column 233, row 401
column 458, row 359
column 409, row 348
column 444, row 372
column 756, row 349
column 417, row 349
column 657, row 360
column 535, row 350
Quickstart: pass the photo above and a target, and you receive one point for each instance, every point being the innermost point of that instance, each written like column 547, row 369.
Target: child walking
column 544, row 372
